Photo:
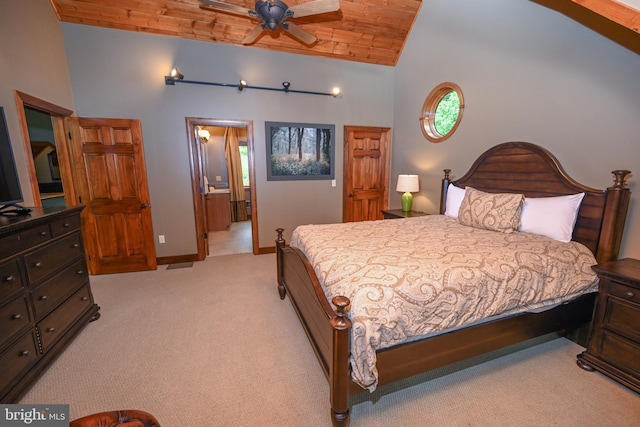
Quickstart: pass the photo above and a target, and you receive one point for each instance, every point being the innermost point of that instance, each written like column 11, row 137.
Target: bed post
column 340, row 375
column 443, row 191
column 279, row 245
column 615, row 207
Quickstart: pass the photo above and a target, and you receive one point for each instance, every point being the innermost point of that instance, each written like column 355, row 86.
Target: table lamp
column 408, row 184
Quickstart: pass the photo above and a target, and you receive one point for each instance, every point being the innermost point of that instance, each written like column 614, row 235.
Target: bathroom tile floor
column 236, row 240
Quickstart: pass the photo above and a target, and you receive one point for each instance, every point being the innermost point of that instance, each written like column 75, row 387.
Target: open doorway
column 47, row 156
column 225, row 207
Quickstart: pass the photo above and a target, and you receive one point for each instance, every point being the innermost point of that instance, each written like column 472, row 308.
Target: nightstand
column 614, row 341
column 399, row 213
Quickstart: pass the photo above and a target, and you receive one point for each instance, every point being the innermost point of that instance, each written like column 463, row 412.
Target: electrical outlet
column 333, row 182
column 161, row 238
column 218, row 178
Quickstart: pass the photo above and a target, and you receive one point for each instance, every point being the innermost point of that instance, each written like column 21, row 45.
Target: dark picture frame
column 300, row 151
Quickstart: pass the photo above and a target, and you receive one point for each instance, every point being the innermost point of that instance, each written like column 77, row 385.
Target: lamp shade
column 408, row 183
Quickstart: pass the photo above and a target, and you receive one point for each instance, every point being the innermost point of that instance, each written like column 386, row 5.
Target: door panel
column 111, row 179
column 366, row 172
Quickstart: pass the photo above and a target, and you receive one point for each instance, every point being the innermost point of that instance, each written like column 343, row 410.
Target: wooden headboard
column 526, row 168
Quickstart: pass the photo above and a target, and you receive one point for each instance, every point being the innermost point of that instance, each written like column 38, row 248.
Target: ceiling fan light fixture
column 336, row 91
column 274, row 14
column 286, row 86
column 241, row 85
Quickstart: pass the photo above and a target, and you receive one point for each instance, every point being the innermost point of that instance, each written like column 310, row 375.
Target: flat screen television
column 10, row 192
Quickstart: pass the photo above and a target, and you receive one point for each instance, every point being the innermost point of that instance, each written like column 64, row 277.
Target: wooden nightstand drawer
column 621, row 353
column 623, row 318
column 623, row 291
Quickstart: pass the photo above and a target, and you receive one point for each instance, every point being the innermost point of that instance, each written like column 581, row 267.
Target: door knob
column 144, row 206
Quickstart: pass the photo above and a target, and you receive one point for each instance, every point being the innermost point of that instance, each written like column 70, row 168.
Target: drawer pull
column 43, row 297
column 52, row 329
column 25, row 353
column 80, row 272
column 9, row 279
column 38, row 264
column 66, row 224
column 84, row 298
column 75, row 245
column 16, row 316
column 630, row 294
column 43, row 233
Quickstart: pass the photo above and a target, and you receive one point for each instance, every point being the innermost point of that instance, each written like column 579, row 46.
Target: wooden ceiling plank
column 353, row 33
column 615, row 11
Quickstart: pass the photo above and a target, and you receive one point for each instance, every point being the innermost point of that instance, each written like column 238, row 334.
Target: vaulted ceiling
column 371, row 31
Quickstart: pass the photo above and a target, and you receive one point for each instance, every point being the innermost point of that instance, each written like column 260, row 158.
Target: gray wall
column 33, row 61
column 527, row 73
column 120, row 74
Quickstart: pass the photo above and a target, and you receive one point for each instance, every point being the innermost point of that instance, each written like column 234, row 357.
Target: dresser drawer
column 17, row 359
column 623, row 318
column 10, row 278
column 65, row 225
column 23, row 240
column 46, row 260
column 64, row 316
column 14, row 317
column 60, row 286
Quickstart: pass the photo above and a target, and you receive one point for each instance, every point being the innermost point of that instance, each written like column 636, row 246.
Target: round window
column 442, row 112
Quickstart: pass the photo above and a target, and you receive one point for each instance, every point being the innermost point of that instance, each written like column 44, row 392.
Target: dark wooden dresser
column 614, row 342
column 45, row 296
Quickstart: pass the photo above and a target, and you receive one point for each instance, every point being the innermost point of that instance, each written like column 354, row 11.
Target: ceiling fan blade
column 299, row 33
column 315, row 7
column 224, row 7
column 253, row 35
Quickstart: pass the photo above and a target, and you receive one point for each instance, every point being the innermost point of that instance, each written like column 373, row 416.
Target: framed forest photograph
column 299, row 151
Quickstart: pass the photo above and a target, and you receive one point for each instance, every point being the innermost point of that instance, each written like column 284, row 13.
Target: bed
column 516, row 168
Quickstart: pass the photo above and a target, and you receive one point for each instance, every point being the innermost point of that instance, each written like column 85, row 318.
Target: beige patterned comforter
column 408, row 278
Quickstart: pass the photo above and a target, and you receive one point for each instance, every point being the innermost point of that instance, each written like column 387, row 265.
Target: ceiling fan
column 273, row 14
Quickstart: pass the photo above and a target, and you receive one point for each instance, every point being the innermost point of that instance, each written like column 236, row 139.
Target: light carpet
column 213, row 345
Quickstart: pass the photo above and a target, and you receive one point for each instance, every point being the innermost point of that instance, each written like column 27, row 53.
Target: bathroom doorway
column 225, row 207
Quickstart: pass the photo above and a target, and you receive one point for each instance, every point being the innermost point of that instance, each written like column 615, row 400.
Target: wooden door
column 366, row 172
column 111, row 181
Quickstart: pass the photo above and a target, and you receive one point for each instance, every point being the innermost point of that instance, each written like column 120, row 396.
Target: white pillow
column 454, row 200
column 553, row 217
